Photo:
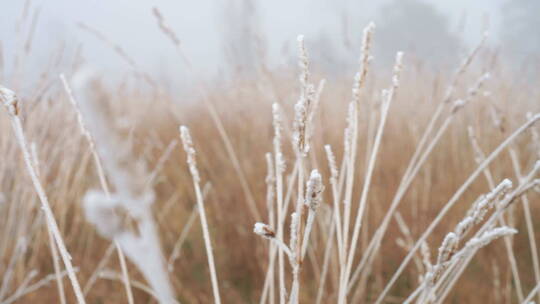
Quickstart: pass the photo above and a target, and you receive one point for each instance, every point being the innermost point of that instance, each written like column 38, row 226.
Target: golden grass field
column 136, row 137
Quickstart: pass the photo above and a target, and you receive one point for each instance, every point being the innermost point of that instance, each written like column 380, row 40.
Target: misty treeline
column 413, row 26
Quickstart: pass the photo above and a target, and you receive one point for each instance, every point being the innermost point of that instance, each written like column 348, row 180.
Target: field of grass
column 393, row 186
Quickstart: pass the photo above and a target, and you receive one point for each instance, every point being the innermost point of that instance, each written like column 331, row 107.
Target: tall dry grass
column 384, row 172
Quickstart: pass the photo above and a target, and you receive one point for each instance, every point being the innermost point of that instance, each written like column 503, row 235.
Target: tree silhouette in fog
column 521, row 29
column 416, row 28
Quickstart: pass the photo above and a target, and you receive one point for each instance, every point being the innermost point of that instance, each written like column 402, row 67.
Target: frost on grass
column 124, row 214
column 264, row 230
column 128, row 221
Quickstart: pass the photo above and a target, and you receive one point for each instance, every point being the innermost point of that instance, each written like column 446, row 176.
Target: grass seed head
column 264, row 230
column 10, row 101
column 314, row 190
column 190, row 151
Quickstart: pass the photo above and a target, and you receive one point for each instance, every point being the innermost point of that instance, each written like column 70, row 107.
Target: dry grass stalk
column 19, row 250
column 270, row 192
column 216, row 119
column 528, row 219
column 176, row 251
column 350, row 146
column 165, row 28
column 455, row 268
column 450, row 244
column 479, row 157
column 102, row 179
column 455, row 197
column 415, row 163
column 387, row 100
column 123, row 216
column 121, row 52
column 11, row 102
column 24, row 290
column 279, row 162
column 314, row 189
column 192, row 163
column 417, row 160
column 54, row 250
column 301, row 143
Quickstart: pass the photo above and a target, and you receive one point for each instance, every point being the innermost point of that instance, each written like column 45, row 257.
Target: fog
column 205, row 29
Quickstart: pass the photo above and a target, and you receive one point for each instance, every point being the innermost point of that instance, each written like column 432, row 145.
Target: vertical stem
column 207, row 242
column 102, row 181
column 51, row 222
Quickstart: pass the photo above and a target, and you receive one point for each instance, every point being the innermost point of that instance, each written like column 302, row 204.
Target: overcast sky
column 198, row 25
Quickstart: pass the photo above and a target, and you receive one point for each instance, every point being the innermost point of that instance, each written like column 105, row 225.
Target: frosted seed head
column 264, row 230
column 365, row 59
column 506, row 184
column 10, row 101
column 314, row 190
column 464, row 225
column 190, row 151
column 489, row 236
column 398, row 67
column 186, row 137
column 276, row 116
column 332, row 162
column 447, row 248
column 275, row 107
column 370, row 27
column 300, row 127
column 399, row 62
column 303, row 60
